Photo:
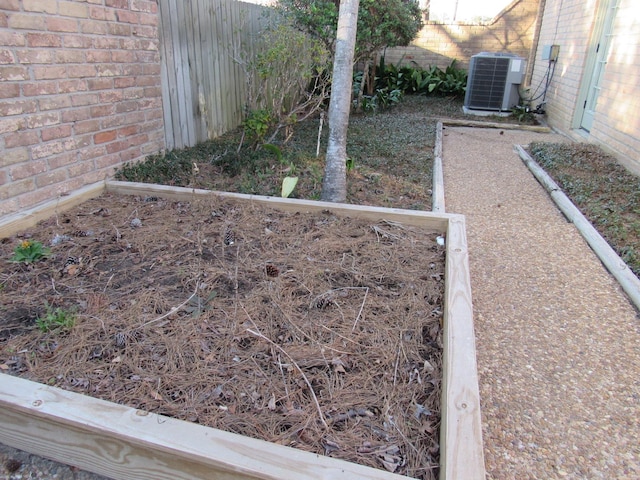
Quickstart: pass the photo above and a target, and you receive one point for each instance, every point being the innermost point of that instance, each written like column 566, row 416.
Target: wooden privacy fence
column 203, row 84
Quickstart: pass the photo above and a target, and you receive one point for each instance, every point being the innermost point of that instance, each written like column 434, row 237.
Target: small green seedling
column 29, row 251
column 56, row 319
column 351, row 164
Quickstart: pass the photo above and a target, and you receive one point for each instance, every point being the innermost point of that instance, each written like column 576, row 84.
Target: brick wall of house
column 617, row 120
column 616, row 126
column 512, row 31
column 568, row 24
column 79, row 94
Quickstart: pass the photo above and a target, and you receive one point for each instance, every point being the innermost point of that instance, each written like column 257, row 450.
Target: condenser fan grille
column 493, row 81
column 488, row 82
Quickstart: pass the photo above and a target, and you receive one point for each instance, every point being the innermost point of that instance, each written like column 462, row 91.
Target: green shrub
column 415, row 80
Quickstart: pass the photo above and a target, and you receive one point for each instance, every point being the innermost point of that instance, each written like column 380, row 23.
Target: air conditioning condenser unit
column 493, row 81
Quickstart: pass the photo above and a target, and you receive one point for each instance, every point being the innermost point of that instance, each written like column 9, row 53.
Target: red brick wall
column 79, row 94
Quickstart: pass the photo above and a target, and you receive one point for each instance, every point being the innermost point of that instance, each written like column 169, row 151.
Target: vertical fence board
column 237, row 17
column 225, row 72
column 168, row 78
column 203, row 85
column 204, row 65
column 186, row 39
column 192, row 33
column 212, row 93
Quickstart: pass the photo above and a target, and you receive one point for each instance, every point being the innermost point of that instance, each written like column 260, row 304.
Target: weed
column 197, row 305
column 56, row 319
column 351, row 164
column 523, row 113
column 29, row 251
column 277, row 151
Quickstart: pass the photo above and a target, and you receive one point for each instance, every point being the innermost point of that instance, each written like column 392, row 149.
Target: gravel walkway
column 557, row 340
column 19, row 465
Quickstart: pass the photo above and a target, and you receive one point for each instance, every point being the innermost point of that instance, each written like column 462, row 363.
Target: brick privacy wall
column 512, row 31
column 616, row 126
column 79, row 94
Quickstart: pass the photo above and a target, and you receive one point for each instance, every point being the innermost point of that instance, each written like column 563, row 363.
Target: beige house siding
column 617, row 121
column 512, row 31
column 79, row 94
column 570, row 24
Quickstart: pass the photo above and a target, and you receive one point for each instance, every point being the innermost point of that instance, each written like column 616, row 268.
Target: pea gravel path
column 558, row 342
column 19, row 465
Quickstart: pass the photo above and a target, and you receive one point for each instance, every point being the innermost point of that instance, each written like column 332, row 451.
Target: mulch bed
column 309, row 330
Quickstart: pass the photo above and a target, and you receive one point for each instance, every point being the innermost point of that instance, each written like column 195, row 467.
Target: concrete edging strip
column 437, row 192
column 611, row 260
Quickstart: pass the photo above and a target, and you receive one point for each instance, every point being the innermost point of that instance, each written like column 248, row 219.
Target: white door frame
column 595, row 64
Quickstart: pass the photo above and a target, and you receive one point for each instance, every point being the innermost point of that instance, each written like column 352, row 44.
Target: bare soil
column 309, row 330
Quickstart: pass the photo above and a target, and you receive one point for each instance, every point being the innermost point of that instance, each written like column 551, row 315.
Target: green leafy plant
column 381, row 23
column 415, row 80
column 257, row 124
column 29, row 251
column 286, row 79
column 388, row 98
column 523, row 113
column 454, row 81
column 382, row 99
column 56, row 319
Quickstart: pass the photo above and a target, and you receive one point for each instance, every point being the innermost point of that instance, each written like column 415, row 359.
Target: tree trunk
column 372, row 76
column 334, row 185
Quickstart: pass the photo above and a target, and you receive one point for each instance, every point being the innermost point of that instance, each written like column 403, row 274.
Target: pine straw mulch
column 308, row 330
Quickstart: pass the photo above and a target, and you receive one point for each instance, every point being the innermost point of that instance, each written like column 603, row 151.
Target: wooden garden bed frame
column 123, row 443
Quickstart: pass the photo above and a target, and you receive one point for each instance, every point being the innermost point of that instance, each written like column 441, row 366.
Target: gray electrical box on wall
column 550, row 52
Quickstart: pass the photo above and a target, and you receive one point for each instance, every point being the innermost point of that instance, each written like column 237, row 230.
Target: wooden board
column 430, row 220
column 17, row 222
column 123, row 443
column 504, row 126
column 462, row 453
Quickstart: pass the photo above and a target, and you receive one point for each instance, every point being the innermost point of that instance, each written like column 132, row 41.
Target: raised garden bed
column 230, row 255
